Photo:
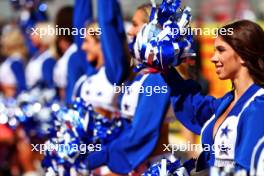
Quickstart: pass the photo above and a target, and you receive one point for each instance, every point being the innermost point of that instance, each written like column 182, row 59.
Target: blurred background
column 199, row 8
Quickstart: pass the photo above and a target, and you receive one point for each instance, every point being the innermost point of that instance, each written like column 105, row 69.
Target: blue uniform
column 77, row 64
column 61, row 67
column 139, row 139
column 136, row 142
column 236, row 136
column 257, row 159
column 116, row 64
column 39, row 71
column 96, row 90
column 13, row 69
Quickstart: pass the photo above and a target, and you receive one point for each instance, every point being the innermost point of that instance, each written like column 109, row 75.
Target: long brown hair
column 247, row 40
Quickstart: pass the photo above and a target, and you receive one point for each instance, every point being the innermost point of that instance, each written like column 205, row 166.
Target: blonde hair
column 49, row 36
column 12, row 41
column 94, row 26
column 146, row 9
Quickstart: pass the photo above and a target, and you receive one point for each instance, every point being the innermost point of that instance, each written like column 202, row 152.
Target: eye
column 220, row 49
column 134, row 23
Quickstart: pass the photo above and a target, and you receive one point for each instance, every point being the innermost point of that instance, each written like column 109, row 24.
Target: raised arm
column 83, row 13
column 191, row 108
column 113, row 40
column 77, row 65
column 138, row 141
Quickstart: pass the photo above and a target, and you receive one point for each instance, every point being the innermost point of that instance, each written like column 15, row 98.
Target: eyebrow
column 134, row 22
column 219, row 47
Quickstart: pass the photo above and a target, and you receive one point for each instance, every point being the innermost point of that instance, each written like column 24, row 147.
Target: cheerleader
column 65, row 49
column 30, row 12
column 13, row 47
column 39, row 71
column 77, row 64
column 98, row 89
column 138, row 142
column 230, row 126
column 12, row 76
column 140, row 18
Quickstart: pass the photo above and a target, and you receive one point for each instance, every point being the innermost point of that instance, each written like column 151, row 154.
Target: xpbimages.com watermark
column 190, row 147
column 214, row 32
column 83, row 32
column 50, row 30
column 66, row 148
column 140, row 89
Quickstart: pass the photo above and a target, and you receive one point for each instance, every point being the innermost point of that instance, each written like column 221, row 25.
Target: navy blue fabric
column 77, row 64
column 19, row 72
column 139, row 139
column 113, row 40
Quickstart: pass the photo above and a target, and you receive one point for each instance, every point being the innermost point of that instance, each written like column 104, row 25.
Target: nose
column 215, row 58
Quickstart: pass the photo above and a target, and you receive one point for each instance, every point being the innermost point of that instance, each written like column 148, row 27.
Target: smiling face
column 227, row 62
column 92, row 48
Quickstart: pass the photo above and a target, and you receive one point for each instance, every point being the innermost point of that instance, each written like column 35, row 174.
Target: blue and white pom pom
column 166, row 39
column 31, row 111
column 171, row 168
column 76, row 126
column 228, row 170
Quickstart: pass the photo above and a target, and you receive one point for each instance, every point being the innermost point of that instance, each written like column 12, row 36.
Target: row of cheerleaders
column 121, row 132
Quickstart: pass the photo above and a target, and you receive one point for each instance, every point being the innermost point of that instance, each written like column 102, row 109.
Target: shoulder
column 50, row 59
column 253, row 113
column 257, row 104
column 154, row 79
column 16, row 64
column 49, row 62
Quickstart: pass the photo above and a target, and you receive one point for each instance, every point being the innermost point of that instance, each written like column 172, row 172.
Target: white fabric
column 130, row 98
column 61, row 67
column 7, row 76
column 77, row 85
column 224, row 145
column 259, row 169
column 260, row 165
column 34, row 68
column 98, row 91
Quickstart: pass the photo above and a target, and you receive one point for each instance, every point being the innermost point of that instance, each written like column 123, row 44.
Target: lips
column 218, row 68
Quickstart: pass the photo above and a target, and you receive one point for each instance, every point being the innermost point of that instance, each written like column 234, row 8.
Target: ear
column 242, row 62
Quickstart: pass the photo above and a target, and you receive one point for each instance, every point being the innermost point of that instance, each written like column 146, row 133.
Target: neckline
column 245, row 96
